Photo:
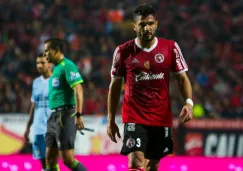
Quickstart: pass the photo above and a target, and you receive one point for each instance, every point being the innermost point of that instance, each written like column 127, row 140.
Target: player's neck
column 47, row 74
column 59, row 59
column 144, row 44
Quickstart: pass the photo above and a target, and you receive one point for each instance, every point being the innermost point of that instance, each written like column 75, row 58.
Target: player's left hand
column 186, row 113
column 79, row 122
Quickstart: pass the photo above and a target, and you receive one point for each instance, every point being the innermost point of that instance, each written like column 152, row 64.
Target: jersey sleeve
column 72, row 75
column 32, row 93
column 178, row 62
column 117, row 69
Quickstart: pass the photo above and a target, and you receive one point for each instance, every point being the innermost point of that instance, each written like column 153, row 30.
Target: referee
column 66, row 103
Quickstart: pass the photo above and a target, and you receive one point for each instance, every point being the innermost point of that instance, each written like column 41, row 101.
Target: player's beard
column 50, row 59
column 147, row 39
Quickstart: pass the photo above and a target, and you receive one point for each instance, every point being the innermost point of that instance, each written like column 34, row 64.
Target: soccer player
column 66, row 103
column 39, row 111
column 145, row 64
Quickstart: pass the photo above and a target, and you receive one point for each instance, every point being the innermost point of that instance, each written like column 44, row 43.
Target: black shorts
column 154, row 141
column 61, row 130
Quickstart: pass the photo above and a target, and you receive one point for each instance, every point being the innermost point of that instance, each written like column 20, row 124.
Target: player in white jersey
column 39, row 111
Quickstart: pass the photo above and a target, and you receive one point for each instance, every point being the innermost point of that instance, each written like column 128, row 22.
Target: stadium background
column 209, row 34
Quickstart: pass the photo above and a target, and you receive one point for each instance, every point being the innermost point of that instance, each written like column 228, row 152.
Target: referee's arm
column 78, row 95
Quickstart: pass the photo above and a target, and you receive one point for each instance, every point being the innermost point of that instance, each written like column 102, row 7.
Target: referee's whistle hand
column 112, row 131
column 79, row 122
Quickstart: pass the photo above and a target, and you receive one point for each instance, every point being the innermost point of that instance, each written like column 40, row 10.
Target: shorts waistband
column 66, row 107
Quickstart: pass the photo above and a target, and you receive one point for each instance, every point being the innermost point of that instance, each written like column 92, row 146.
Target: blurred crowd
column 208, row 32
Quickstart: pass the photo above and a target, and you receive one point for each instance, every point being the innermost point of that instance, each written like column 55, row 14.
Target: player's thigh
column 66, row 130
column 160, row 142
column 50, row 136
column 39, row 146
column 134, row 143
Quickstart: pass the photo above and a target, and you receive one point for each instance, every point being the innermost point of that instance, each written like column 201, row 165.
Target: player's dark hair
column 143, row 10
column 41, row 55
column 56, row 43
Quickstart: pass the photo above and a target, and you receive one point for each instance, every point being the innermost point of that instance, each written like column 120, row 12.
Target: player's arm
column 78, row 95
column 30, row 121
column 117, row 74
column 112, row 103
column 113, row 98
column 186, row 91
column 179, row 67
column 184, row 85
column 74, row 80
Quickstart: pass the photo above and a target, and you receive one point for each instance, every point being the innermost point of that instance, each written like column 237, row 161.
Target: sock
column 52, row 167
column 55, row 167
column 48, row 167
column 77, row 166
column 135, row 169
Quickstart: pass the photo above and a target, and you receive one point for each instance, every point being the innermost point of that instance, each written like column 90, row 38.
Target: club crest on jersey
column 130, row 142
column 159, row 58
column 131, row 127
column 147, row 64
column 55, row 82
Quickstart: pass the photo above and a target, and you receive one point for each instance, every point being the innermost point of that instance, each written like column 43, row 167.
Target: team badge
column 55, row 82
column 130, row 142
column 147, row 64
column 159, row 58
column 131, row 127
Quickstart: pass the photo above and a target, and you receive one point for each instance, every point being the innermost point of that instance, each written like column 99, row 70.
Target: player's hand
column 112, row 131
column 79, row 122
column 186, row 113
column 26, row 135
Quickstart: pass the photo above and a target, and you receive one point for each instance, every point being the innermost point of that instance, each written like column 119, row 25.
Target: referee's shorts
column 61, row 128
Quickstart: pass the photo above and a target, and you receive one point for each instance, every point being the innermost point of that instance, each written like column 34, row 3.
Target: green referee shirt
column 64, row 77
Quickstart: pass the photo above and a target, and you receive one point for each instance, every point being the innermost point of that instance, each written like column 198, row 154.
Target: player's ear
column 156, row 23
column 134, row 26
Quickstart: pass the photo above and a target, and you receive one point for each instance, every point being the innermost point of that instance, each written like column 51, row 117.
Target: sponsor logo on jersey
column 148, row 76
column 55, row 82
column 74, row 75
column 166, row 150
column 147, row 64
column 135, row 61
column 131, row 127
column 159, row 58
column 130, row 142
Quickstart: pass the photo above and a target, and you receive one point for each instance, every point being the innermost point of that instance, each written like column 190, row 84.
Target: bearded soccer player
column 145, row 64
column 39, row 110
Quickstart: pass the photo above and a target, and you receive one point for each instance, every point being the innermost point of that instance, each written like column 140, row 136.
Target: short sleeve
column 117, row 69
column 32, row 94
column 72, row 75
column 178, row 62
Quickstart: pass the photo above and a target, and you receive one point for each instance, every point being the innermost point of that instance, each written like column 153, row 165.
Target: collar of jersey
column 60, row 61
column 147, row 49
column 43, row 78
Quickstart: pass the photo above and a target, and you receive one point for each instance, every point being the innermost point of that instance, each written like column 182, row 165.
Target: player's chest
column 41, row 91
column 155, row 61
column 57, row 78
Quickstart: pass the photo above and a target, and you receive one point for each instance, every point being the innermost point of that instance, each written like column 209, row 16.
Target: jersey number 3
column 138, row 143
